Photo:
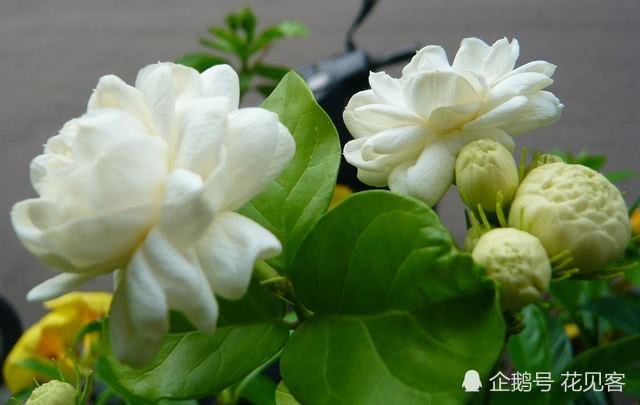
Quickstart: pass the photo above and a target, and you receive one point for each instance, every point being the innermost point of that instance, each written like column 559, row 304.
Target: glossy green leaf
column 621, row 312
column 400, row 314
column 283, row 396
column 200, row 61
column 192, row 365
column 530, row 350
column 620, row 356
column 259, row 390
column 294, row 202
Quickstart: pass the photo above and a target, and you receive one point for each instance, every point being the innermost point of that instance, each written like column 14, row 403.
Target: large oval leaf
column 400, row 314
column 294, row 202
column 192, row 365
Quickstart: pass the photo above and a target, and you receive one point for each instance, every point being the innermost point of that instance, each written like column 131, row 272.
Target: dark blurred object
column 334, row 80
column 10, row 330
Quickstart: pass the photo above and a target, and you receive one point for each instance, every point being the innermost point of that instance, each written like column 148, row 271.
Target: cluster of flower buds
column 558, row 220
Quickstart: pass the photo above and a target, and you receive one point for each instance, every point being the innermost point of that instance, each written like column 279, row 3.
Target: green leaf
column 275, row 73
column 46, row 369
column 193, row 365
column 530, row 350
column 621, row 312
column 620, row 356
column 400, row 314
column 229, row 41
column 620, row 175
column 560, row 345
column 286, row 29
column 217, row 44
column 294, row 202
column 260, row 390
column 248, row 23
column 595, row 162
column 200, row 61
column 283, row 396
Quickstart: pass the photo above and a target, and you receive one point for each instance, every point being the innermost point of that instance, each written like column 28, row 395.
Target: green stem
column 281, row 287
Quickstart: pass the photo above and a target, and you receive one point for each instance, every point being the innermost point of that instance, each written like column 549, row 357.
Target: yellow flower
column 635, row 221
column 340, row 193
column 52, row 337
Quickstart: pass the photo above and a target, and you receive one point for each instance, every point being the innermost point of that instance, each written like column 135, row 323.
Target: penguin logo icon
column 471, row 381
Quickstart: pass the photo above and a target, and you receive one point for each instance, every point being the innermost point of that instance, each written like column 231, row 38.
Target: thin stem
column 281, row 287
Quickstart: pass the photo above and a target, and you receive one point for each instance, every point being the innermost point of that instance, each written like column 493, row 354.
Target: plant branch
column 281, row 287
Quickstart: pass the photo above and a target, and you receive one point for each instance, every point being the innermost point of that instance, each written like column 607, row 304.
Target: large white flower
column 408, row 131
column 146, row 183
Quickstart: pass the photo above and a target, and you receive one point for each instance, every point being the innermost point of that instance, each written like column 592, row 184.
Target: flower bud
column 53, row 393
column 573, row 209
column 543, row 159
column 485, row 169
column 518, row 262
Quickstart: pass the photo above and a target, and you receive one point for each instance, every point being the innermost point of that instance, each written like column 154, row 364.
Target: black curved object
column 10, row 330
column 335, row 79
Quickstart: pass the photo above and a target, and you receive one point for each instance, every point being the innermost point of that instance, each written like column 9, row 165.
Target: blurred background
column 53, row 52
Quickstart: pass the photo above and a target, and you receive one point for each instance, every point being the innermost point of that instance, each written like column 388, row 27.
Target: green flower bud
column 543, row 159
column 485, row 169
column 573, row 209
column 53, row 393
column 518, row 262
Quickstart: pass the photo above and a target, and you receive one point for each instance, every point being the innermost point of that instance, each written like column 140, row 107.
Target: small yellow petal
column 340, row 193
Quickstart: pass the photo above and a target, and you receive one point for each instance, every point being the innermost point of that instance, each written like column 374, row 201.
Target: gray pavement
column 53, row 51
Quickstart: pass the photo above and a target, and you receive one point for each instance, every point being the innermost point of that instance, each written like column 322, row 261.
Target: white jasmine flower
column 146, row 182
column 518, row 262
column 408, row 131
column 575, row 209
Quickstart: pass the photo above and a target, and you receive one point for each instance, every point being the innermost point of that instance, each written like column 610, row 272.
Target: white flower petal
column 538, row 66
column 91, row 244
column 136, row 168
column 426, row 92
column 378, row 117
column 381, row 163
column 429, row 178
column 374, row 179
column 356, row 127
column 165, row 87
column 471, row 55
column 180, row 276
column 444, row 119
column 516, row 85
column 229, row 250
column 499, row 116
column 501, row 59
column 395, row 140
column 113, row 93
column 186, row 212
column 386, row 88
column 222, row 81
column 58, row 285
column 456, row 141
column 258, row 148
column 203, row 129
column 428, row 59
column 542, row 108
column 138, row 318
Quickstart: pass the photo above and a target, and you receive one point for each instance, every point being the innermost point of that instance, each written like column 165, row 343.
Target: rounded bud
column 518, row 262
column 53, row 393
column 573, row 209
column 484, row 170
